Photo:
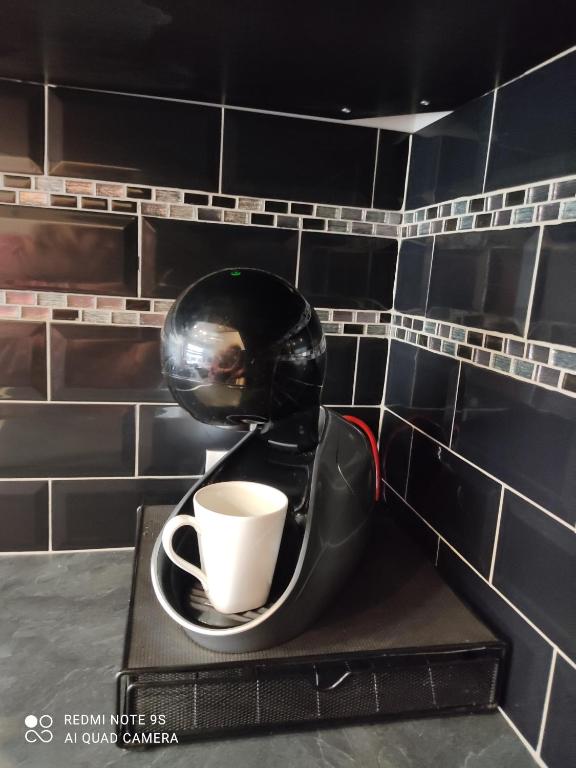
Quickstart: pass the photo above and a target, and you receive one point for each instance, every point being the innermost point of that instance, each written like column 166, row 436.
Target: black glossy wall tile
column 370, row 371
column 22, row 361
column 553, row 316
column 347, row 271
column 529, row 655
column 370, row 416
column 23, row 516
column 559, row 745
column 521, row 433
column 55, row 250
column 53, row 440
column 449, row 157
column 483, row 279
column 458, row 500
column 294, row 159
column 421, row 387
column 394, row 447
column 177, row 253
column 534, row 127
column 173, row 443
column 407, row 519
column 536, row 569
column 135, row 140
column 22, row 129
column 391, row 170
column 340, row 364
column 91, row 514
column 90, row 362
column 414, row 262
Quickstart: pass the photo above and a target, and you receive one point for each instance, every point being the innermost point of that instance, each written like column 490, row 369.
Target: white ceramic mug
column 239, row 526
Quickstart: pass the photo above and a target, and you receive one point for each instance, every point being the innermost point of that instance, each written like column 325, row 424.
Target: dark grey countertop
column 61, row 635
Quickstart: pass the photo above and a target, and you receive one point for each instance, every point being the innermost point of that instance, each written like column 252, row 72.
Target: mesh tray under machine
column 397, row 644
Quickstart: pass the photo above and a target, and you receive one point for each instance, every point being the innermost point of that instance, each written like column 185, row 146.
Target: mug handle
column 170, row 528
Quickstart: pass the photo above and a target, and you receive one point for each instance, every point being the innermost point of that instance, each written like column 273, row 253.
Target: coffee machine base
column 397, row 643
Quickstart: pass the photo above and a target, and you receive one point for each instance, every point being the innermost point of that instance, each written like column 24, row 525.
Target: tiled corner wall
column 471, row 339
column 478, row 436
column 109, row 207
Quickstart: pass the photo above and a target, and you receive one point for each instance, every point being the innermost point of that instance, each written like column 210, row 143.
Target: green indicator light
column 235, row 273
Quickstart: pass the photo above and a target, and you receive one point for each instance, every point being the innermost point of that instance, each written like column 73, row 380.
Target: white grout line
column 533, row 754
column 298, row 249
column 496, row 535
column 46, row 134
column 382, row 405
column 409, row 462
column 437, row 551
column 44, row 552
column 407, row 176
column 455, row 403
column 140, row 235
column 430, row 274
column 50, row 515
column 375, row 168
column 500, row 594
column 100, row 477
column 546, row 701
column 221, row 165
column 48, row 362
column 137, row 440
column 357, row 355
column 533, row 282
column 489, row 145
column 540, row 66
column 484, row 472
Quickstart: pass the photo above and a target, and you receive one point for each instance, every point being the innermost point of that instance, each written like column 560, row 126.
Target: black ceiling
column 378, row 58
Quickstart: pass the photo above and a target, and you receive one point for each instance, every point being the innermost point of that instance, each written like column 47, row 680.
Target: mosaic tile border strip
column 546, row 203
column 193, row 205
column 119, row 310
column 535, row 362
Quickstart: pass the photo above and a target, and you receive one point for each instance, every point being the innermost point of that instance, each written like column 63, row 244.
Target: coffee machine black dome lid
column 243, row 346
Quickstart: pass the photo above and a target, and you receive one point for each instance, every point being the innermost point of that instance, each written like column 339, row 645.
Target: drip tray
column 396, row 643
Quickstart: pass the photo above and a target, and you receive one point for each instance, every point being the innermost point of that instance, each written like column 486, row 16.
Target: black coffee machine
column 243, row 349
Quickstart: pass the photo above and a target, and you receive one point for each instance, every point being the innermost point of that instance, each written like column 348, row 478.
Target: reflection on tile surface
column 22, row 361
column 50, row 440
column 90, row 514
column 23, row 516
column 391, row 170
column 529, row 655
column 421, row 387
column 68, row 251
column 346, row 271
column 523, row 434
column 106, row 363
column 559, row 746
column 448, row 157
column 414, row 262
column 524, row 148
column 370, row 416
column 553, row 316
column 407, row 519
column 340, row 362
column 134, row 140
column 177, row 253
column 458, row 500
column 395, row 441
column 483, row 279
column 22, row 136
column 173, row 443
column 294, row 159
column 370, row 372
column 536, row 569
